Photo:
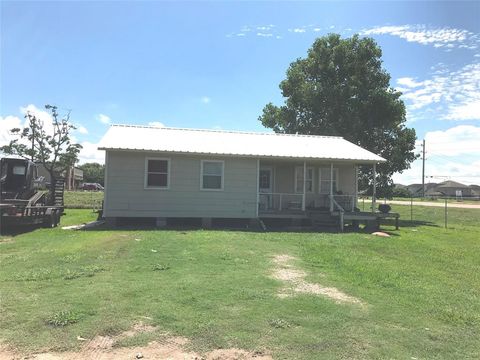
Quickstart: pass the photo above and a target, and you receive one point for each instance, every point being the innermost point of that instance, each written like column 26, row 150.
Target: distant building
column 446, row 188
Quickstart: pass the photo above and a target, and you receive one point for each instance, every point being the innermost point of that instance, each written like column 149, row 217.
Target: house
column 416, row 189
column 453, row 189
column 72, row 177
column 447, row 188
column 475, row 190
column 164, row 173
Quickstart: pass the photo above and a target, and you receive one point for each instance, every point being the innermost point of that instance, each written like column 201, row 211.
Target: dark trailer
column 24, row 199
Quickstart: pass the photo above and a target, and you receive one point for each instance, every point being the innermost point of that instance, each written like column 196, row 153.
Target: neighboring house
column 416, row 189
column 447, row 188
column 453, row 188
column 72, row 177
column 475, row 190
column 186, row 173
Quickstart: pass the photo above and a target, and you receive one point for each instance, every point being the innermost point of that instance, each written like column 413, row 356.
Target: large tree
column 341, row 89
column 48, row 144
column 93, row 172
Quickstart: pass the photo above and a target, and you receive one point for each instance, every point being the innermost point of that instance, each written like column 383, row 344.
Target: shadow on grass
column 410, row 224
column 18, row 230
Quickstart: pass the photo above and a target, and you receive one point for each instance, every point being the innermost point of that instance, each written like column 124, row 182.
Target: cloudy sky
column 215, row 65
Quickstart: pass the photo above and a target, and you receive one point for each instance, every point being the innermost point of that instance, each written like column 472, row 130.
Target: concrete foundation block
column 160, row 222
column 111, row 221
column 206, row 223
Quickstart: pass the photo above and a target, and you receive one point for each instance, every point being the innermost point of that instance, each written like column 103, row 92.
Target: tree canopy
column 93, row 172
column 341, row 89
column 47, row 144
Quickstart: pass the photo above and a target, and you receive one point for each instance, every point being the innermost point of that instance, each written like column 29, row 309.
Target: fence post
column 363, row 203
column 411, row 209
column 446, row 213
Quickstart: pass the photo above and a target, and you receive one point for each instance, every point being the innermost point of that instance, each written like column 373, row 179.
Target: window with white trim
column 211, row 176
column 157, row 173
column 299, row 180
column 324, row 180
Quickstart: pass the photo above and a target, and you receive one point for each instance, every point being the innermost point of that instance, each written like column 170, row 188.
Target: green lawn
column 420, row 288
column 83, row 199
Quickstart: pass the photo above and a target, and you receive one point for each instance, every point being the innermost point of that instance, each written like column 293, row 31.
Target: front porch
column 325, row 193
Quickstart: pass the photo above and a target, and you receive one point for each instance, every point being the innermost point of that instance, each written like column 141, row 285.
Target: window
column 19, row 170
column 211, row 175
column 157, row 174
column 299, row 180
column 324, row 180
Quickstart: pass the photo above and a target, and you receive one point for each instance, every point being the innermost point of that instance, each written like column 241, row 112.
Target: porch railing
column 282, row 202
column 289, row 202
column 347, row 202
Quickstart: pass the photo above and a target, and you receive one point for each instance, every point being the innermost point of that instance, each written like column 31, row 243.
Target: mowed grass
column 83, row 199
column 421, row 288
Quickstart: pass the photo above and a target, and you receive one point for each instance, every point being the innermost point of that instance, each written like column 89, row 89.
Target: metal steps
column 59, row 190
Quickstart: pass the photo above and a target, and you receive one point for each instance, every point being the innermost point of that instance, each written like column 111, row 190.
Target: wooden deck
column 324, row 217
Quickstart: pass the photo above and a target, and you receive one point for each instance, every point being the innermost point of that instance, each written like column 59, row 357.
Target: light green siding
column 126, row 196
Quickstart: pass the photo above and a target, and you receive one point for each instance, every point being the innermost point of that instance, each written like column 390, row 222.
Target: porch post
column 355, row 200
column 331, row 187
column 374, row 193
column 258, row 187
column 304, row 184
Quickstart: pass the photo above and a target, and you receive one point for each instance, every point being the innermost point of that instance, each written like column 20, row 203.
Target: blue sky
column 215, row 65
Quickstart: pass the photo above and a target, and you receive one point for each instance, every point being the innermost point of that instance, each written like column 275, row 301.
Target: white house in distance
column 166, row 173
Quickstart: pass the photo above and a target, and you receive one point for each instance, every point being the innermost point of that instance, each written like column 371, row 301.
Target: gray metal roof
column 233, row 143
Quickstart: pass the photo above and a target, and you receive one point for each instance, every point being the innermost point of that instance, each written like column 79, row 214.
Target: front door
column 265, row 188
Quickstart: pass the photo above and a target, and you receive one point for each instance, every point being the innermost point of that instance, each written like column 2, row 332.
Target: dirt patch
column 165, row 347
column 294, row 280
column 5, row 240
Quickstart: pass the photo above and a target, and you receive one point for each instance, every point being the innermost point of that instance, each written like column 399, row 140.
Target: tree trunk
column 51, row 188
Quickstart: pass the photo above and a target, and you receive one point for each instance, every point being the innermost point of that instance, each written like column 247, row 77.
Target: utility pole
column 423, row 168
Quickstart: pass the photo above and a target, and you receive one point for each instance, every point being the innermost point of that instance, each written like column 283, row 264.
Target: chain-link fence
column 446, row 212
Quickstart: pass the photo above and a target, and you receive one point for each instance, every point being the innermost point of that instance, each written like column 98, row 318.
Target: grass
column 83, row 199
column 421, row 288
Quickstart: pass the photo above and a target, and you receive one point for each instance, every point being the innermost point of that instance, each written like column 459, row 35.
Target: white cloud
column 448, row 95
column 90, row 153
column 156, row 124
column 453, row 153
column 297, row 30
column 205, row 99
column 8, row 123
column 462, row 139
column 466, row 111
column 439, row 170
column 104, row 119
column 81, row 129
column 421, row 34
column 317, row 29
column 264, row 34
column 409, row 82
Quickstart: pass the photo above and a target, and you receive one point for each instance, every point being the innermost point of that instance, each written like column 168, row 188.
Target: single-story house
column 167, row 173
column 454, row 189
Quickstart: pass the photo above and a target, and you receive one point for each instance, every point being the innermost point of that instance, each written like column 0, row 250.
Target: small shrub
column 85, row 271
column 160, row 267
column 63, row 318
column 279, row 323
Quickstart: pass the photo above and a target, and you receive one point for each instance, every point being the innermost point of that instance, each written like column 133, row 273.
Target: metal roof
column 233, row 143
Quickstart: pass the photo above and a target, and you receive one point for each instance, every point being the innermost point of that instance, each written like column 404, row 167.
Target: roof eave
column 363, row 161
